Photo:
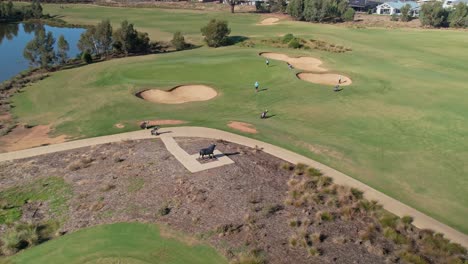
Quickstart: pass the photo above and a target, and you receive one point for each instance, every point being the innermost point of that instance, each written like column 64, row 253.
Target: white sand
column 179, row 95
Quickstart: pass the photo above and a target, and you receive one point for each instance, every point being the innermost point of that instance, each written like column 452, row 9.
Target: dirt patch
column 24, row 138
column 243, row 127
column 325, row 78
column 119, row 125
column 302, row 63
column 269, row 21
column 5, row 117
column 179, row 95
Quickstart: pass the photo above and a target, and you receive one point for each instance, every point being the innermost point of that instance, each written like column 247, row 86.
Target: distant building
column 390, row 8
column 363, row 5
column 452, row 3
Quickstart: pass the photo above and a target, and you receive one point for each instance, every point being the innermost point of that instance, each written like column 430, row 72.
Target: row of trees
column 101, row 40
column 320, row 10
column 40, row 51
column 8, row 12
column 433, row 14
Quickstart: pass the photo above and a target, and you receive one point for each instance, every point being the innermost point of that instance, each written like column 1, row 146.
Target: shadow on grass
column 233, row 40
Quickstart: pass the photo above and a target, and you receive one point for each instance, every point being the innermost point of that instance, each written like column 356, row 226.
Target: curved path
column 420, row 220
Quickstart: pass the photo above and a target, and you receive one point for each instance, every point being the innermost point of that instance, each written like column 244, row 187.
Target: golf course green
column 401, row 127
column 129, row 243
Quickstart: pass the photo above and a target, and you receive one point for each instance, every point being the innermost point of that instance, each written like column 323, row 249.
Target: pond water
column 15, row 36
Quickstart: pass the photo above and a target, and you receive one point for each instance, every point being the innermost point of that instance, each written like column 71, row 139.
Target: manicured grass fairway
column 401, row 127
column 126, row 243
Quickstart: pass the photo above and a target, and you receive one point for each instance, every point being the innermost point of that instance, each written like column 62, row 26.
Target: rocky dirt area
column 258, row 206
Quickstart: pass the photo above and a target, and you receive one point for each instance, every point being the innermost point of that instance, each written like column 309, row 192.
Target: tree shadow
column 233, row 40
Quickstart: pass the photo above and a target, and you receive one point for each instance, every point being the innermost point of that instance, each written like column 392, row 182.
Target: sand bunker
column 179, row 95
column 244, row 127
column 269, row 21
column 302, row 63
column 24, row 138
column 324, row 78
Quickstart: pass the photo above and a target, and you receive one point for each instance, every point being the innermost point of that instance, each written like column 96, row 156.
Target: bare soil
column 243, row 127
column 179, row 95
column 22, row 137
column 245, row 206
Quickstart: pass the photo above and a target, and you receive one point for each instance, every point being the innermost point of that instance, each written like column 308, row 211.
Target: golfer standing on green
column 256, row 87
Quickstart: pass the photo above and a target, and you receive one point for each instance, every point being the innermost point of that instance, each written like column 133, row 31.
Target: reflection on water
column 15, row 36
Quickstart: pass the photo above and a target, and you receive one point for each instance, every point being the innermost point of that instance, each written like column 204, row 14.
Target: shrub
column 349, row 14
column 388, row 220
column 287, row 38
column 178, row 41
column 395, row 236
column 394, row 17
column 357, row 193
column 293, row 241
column 412, row 258
column 324, row 216
column 314, row 172
column 369, row 12
column 253, row 257
column 405, row 13
column 433, row 14
column 295, row 44
column 216, row 33
column 313, row 251
column 300, row 169
column 86, row 58
column 164, row 210
column 458, row 18
column 407, row 220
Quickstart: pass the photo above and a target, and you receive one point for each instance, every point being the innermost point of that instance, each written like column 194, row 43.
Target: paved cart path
column 420, row 220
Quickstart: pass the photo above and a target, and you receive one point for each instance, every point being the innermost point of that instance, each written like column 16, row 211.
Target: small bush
column 324, row 216
column 395, row 236
column 314, row 172
column 394, row 17
column 294, row 222
column 300, row 169
column 412, row 258
column 287, row 38
column 253, row 257
column 293, row 241
column 313, row 251
column 287, row 166
column 164, row 210
column 294, row 44
column 357, row 193
column 178, row 41
column 349, row 14
column 388, row 220
column 87, row 58
column 407, row 220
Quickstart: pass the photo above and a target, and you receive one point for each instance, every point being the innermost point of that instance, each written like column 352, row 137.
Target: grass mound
column 119, row 243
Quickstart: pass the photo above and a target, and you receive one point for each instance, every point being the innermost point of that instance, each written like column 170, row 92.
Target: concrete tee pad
column 190, row 162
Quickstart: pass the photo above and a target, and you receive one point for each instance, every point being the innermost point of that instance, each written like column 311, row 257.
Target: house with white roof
column 390, row 8
column 452, row 3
